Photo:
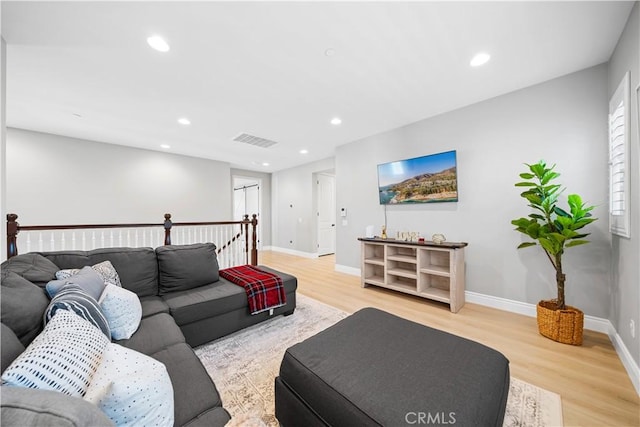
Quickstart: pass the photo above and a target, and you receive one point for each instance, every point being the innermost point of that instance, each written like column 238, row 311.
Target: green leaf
column 538, row 169
column 548, row 176
column 569, row 234
column 559, row 238
column 548, row 246
column 576, row 243
column 536, row 200
column 537, row 216
column 561, row 212
column 526, row 245
column 527, row 175
column 525, row 184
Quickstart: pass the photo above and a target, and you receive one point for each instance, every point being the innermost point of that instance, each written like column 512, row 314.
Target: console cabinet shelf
column 425, row 269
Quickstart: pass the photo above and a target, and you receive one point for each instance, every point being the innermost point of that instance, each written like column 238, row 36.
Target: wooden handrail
column 13, row 228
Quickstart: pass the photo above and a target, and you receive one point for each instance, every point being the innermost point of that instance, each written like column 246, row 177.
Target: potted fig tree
column 554, row 229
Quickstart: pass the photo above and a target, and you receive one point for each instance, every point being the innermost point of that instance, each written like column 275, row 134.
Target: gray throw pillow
column 11, row 347
column 22, row 304
column 73, row 298
column 33, row 267
column 183, row 267
column 87, row 279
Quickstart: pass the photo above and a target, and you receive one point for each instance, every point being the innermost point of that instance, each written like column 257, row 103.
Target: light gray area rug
column 244, row 365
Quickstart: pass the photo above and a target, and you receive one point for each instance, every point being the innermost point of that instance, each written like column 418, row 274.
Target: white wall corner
column 625, row 357
column 591, row 323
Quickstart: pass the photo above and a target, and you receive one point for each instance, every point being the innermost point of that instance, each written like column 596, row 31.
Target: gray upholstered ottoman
column 374, row 368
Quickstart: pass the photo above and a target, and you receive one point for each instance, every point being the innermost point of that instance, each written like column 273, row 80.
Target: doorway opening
column 247, row 198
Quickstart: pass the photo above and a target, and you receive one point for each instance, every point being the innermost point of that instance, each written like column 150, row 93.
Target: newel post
column 167, row 229
column 254, row 239
column 12, row 235
column 244, row 228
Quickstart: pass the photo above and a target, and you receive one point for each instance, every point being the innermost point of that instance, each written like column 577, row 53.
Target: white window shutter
column 619, row 214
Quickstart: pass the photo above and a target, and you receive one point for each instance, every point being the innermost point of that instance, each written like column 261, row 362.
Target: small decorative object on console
column 438, row 238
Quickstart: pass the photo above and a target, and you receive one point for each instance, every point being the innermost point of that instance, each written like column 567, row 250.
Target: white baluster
column 40, row 243
column 84, row 241
column 73, row 240
column 52, row 243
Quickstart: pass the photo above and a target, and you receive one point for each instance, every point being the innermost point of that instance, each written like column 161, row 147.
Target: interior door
column 326, row 193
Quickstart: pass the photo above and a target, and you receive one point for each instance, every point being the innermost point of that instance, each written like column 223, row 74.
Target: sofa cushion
column 11, row 347
column 183, row 267
column 22, row 304
column 153, row 305
column 105, row 269
column 137, row 267
column 206, row 301
column 33, row 267
column 132, row 389
column 29, row 407
column 123, row 311
column 194, row 391
column 73, row 298
column 155, row 333
column 87, row 279
column 215, row 299
column 62, row 358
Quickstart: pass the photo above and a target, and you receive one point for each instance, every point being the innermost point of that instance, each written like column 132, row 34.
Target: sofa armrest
column 32, row 407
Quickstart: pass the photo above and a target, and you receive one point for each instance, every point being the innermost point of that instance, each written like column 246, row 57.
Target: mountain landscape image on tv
column 427, row 179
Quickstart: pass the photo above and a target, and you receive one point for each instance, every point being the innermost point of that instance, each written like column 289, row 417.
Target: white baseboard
column 625, row 357
column 347, row 270
column 292, row 252
column 591, row 323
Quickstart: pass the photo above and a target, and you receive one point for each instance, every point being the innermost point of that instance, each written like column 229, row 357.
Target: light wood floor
column 593, row 384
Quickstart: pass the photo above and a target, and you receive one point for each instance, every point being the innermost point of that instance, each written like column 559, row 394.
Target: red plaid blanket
column 264, row 290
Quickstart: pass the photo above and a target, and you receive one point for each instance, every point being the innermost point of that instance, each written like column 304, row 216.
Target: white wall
column 562, row 121
column 625, row 302
column 59, row 180
column 294, row 213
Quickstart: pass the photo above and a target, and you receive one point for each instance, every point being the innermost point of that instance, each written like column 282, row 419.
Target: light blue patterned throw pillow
column 73, row 298
column 132, row 389
column 123, row 311
column 64, row 357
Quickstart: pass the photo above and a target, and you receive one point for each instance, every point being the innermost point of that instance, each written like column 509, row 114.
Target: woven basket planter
column 563, row 326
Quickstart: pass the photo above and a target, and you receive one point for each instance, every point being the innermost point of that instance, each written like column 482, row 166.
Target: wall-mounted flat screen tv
column 426, row 179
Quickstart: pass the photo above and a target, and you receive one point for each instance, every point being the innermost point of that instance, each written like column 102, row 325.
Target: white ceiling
column 260, row 68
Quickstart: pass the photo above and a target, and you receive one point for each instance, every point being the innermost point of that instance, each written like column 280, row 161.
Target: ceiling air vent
column 254, row 140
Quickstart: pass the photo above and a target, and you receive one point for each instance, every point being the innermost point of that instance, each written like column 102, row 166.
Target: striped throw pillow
column 73, row 298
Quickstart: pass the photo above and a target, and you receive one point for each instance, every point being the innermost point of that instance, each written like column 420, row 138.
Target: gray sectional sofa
column 184, row 304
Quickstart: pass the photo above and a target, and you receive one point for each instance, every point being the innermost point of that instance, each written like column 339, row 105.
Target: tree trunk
column 560, row 278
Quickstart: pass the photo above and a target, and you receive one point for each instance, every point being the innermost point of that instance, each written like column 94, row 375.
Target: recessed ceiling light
column 480, row 59
column 165, row 146
column 304, row 151
column 158, row 43
column 336, row 121
column 184, row 121
column 329, row 52
column 265, row 164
